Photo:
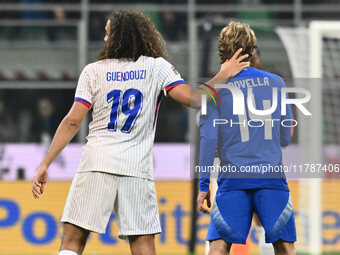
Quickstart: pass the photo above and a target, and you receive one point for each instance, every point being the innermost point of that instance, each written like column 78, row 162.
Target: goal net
column 314, row 56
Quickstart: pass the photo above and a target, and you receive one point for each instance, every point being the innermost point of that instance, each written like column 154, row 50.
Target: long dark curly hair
column 132, row 35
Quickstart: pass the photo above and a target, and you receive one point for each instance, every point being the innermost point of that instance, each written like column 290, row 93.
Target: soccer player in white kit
column 124, row 89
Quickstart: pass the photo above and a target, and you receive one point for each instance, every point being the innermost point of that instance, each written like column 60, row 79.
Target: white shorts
column 93, row 196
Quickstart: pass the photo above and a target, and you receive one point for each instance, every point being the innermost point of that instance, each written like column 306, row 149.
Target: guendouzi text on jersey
column 126, row 76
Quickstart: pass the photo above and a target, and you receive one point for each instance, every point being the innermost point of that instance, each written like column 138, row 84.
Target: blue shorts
column 233, row 210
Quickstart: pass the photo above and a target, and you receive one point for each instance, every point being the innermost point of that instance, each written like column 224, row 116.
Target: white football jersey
column 125, row 97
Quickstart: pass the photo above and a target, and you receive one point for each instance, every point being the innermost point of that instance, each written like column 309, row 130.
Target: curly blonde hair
column 132, row 35
column 234, row 36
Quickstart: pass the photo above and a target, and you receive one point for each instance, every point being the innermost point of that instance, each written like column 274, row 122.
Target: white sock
column 265, row 248
column 67, row 252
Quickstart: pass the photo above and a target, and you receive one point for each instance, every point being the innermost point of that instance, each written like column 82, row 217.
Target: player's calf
column 67, row 252
column 74, row 240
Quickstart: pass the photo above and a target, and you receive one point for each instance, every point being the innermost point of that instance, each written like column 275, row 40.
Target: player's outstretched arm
column 191, row 97
column 67, row 129
column 208, row 144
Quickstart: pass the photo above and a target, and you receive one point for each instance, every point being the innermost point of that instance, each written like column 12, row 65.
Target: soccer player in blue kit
column 249, row 149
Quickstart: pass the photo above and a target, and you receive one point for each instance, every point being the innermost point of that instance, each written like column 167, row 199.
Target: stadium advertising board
column 29, row 226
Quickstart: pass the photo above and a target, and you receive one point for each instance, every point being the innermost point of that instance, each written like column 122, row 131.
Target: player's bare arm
column 191, row 97
column 67, row 129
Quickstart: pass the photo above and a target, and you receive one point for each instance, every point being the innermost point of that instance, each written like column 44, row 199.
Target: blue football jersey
column 248, row 144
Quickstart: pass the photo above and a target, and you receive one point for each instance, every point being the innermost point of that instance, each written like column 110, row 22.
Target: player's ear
column 107, row 29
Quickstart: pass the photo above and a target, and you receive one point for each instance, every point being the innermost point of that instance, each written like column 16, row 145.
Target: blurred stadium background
column 44, row 44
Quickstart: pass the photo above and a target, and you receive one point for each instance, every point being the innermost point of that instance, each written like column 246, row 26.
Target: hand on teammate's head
column 232, row 67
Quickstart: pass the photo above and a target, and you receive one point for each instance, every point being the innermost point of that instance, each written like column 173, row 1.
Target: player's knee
column 219, row 247
column 142, row 244
column 218, row 251
column 74, row 238
column 284, row 248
